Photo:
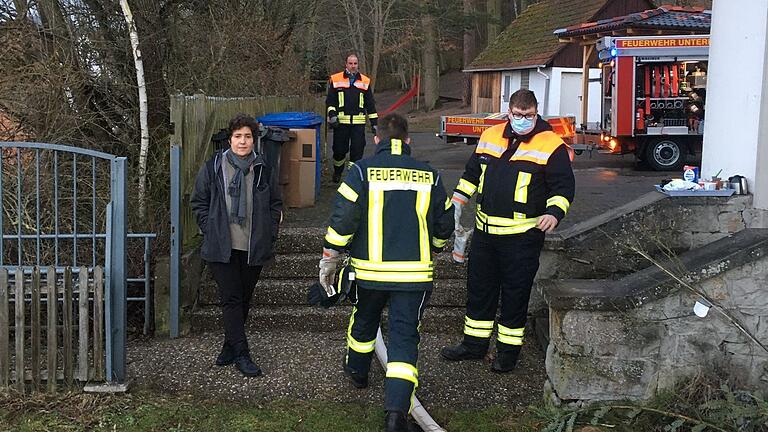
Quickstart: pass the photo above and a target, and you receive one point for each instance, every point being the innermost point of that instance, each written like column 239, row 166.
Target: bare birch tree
column 144, row 148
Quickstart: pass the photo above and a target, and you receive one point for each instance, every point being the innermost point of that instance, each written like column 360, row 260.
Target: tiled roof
column 662, row 18
column 528, row 41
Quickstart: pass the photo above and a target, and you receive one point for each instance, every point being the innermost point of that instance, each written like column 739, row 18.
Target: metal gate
column 59, row 214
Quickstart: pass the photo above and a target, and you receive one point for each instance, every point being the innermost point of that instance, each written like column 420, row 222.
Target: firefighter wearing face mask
column 521, row 176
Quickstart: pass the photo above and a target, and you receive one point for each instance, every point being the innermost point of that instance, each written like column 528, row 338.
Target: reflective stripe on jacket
column 391, row 212
column 517, row 179
column 353, row 104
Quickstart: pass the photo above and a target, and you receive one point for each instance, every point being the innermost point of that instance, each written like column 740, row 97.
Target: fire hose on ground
column 419, row 413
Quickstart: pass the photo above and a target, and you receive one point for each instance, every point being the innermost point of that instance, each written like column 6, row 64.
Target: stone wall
column 655, row 223
column 630, row 338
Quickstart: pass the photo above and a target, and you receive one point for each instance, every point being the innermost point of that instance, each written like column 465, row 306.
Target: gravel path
column 307, row 366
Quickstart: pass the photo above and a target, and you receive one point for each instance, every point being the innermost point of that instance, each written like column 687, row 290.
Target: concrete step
column 300, row 240
column 304, row 266
column 306, row 240
column 309, row 318
column 293, row 292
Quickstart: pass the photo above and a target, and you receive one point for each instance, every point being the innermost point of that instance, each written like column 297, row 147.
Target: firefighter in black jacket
column 391, row 213
column 521, row 172
column 349, row 103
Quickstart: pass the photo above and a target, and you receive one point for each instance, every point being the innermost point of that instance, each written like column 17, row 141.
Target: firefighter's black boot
column 396, row 421
column 358, row 379
column 337, row 170
column 505, row 361
column 461, row 352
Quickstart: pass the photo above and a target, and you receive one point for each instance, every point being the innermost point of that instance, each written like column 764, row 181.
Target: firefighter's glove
column 458, row 205
column 461, row 237
column 328, row 264
column 333, row 121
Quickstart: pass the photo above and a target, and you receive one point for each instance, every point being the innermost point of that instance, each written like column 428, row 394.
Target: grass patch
column 146, row 412
column 149, row 412
column 697, row 406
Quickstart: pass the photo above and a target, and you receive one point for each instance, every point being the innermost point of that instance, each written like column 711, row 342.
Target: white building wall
column 736, row 125
column 538, row 86
column 510, row 82
column 556, row 93
column 550, row 101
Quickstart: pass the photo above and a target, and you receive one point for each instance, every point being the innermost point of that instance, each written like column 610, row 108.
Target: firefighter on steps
column 349, row 103
column 521, row 173
column 391, row 213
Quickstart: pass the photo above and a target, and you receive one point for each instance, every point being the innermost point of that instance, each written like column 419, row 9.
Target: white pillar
column 736, row 125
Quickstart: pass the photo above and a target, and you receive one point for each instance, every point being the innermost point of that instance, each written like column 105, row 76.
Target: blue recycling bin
column 299, row 120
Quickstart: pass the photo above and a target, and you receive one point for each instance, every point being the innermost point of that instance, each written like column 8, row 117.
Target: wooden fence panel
column 51, row 333
column 82, row 296
column 18, row 333
column 5, row 348
column 98, row 323
column 67, row 330
column 34, row 321
column 37, row 360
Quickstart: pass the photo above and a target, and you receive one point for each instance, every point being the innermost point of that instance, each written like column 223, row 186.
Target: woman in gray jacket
column 238, row 208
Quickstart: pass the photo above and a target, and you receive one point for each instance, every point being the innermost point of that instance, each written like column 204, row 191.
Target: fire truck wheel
column 665, row 154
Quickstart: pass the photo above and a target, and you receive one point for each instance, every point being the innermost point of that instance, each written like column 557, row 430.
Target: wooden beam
column 51, row 334
column 586, row 52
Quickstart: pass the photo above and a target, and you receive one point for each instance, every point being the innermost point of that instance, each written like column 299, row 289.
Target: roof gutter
column 546, row 90
column 503, row 68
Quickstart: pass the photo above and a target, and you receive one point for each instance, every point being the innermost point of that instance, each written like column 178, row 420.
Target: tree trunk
column 382, row 11
column 354, row 18
column 309, row 41
column 142, row 107
column 524, row 5
column 22, row 8
column 60, row 44
column 494, row 19
column 470, row 47
column 431, row 78
column 151, row 24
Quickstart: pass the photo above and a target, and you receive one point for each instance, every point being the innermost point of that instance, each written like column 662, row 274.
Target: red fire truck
column 653, row 93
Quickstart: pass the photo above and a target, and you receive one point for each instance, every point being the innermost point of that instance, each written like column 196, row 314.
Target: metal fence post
column 175, row 238
column 118, row 302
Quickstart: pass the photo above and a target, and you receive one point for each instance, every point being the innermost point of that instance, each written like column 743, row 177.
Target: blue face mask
column 521, row 126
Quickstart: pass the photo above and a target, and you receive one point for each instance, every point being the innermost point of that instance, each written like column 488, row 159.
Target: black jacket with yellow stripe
column 353, row 103
column 391, row 212
column 517, row 178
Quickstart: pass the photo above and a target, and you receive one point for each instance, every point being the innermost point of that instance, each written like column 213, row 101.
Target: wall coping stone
column 652, row 283
column 558, row 239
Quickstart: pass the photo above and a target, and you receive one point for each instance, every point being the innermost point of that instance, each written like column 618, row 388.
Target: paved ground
column 602, row 181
